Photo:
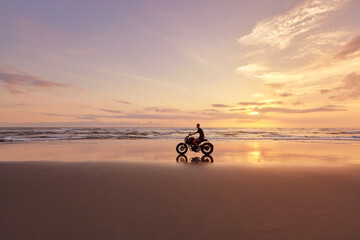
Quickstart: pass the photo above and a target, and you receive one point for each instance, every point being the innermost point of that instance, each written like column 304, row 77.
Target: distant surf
column 9, row 135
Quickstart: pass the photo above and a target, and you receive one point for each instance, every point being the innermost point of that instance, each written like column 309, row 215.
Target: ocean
column 30, row 134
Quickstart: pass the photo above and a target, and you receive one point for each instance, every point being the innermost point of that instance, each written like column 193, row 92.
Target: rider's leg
column 196, row 143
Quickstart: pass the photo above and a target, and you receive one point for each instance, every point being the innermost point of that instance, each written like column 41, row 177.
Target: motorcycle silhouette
column 204, row 159
column 205, row 146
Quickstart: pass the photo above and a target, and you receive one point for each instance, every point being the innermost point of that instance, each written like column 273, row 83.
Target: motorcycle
column 205, row 146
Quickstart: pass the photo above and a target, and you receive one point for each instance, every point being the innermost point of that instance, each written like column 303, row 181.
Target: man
column 200, row 138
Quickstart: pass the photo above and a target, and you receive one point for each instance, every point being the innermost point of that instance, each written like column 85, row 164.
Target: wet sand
column 250, row 191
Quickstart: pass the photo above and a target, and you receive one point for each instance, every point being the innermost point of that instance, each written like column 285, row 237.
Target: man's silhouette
column 200, row 138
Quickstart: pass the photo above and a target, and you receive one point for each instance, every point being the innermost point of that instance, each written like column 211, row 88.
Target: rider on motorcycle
column 200, row 138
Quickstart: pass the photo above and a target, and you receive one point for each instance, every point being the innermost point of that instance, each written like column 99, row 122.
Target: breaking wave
column 8, row 135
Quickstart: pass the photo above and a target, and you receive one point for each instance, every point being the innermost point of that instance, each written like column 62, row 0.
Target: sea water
column 30, row 134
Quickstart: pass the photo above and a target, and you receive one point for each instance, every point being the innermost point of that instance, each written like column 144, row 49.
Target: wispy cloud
column 256, row 95
column 161, row 110
column 282, row 77
column 200, row 59
column 328, row 108
column 86, row 123
column 260, row 103
column 205, row 114
column 16, row 105
column 285, row 94
column 154, row 81
column 313, row 77
column 135, row 116
column 51, row 114
column 122, row 101
column 252, row 103
column 110, row 110
column 238, row 109
column 280, row 30
column 16, row 81
column 353, row 46
column 275, row 84
column 221, row 105
column 298, row 103
column 212, row 110
column 319, row 44
column 54, row 115
column 251, row 69
column 348, row 89
column 324, row 91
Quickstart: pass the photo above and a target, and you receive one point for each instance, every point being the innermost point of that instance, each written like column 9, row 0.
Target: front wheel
column 207, row 148
column 207, row 158
column 181, row 148
column 182, row 158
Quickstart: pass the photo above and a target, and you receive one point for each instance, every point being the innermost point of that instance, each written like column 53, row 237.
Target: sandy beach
column 130, row 197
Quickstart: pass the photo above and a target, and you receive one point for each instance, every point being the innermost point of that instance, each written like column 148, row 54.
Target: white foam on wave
column 268, row 134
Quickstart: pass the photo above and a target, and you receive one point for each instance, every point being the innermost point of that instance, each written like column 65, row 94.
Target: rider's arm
column 193, row 133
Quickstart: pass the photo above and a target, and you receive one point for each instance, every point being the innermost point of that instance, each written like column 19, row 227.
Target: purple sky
column 172, row 63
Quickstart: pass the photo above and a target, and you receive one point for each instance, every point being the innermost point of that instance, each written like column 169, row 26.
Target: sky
column 164, row 63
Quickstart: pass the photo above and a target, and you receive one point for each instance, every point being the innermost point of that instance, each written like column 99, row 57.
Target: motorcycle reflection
column 204, row 159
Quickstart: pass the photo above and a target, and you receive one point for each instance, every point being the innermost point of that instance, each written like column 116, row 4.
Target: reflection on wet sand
column 204, row 159
column 288, row 153
column 257, row 153
column 254, row 155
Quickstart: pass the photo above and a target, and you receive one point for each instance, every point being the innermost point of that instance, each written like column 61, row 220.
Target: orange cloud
column 286, row 94
column 350, row 48
column 324, row 91
column 349, row 88
column 275, row 85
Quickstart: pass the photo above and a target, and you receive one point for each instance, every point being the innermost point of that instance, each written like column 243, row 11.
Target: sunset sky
column 223, row 63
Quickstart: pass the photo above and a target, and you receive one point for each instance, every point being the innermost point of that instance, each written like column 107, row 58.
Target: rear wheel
column 181, row 148
column 207, row 148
